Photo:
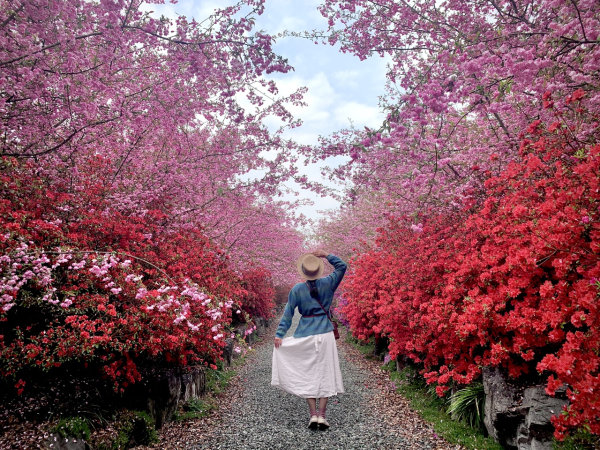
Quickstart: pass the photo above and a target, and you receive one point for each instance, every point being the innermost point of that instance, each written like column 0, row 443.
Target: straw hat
column 310, row 267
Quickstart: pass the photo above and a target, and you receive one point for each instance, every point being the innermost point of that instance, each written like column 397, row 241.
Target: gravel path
column 258, row 416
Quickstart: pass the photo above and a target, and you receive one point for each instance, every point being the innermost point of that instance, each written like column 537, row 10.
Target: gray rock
column 228, row 351
column 503, row 410
column 541, row 407
column 251, row 338
column 526, row 441
column 401, row 363
column 519, row 418
column 193, row 384
column 162, row 394
column 535, row 433
column 241, row 329
column 261, row 326
column 538, row 445
column 381, row 345
column 55, row 442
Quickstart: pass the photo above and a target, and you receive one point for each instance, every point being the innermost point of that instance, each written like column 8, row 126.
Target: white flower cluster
column 24, row 265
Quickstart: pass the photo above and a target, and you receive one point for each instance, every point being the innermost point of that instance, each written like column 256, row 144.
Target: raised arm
column 340, row 269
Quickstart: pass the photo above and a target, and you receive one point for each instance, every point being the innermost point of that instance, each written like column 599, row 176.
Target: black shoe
column 323, row 424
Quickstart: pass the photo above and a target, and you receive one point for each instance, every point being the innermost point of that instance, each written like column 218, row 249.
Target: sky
column 340, row 86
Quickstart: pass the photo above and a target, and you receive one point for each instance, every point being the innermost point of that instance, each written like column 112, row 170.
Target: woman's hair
column 312, row 285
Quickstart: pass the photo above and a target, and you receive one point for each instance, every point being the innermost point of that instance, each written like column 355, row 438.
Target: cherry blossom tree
column 466, row 80
column 161, row 99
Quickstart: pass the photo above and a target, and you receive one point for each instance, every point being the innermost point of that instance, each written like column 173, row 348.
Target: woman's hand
column 320, row 254
column 277, row 342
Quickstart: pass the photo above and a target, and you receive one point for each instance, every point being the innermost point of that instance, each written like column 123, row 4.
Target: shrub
column 433, row 409
column 581, row 439
column 218, row 379
column 84, row 283
column 512, row 284
column 76, row 427
column 259, row 296
column 135, row 428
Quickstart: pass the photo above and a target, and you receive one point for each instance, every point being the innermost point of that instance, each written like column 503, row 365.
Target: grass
column 367, row 349
column 218, row 380
column 133, row 428
column 467, row 405
column 137, row 428
column 195, row 409
column 434, row 410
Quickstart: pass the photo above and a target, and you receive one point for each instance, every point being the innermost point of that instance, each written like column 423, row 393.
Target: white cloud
column 319, row 97
column 289, row 23
column 347, row 78
column 361, row 115
column 302, row 136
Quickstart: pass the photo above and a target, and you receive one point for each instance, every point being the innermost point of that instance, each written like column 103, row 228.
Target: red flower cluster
column 259, row 300
column 84, row 283
column 513, row 284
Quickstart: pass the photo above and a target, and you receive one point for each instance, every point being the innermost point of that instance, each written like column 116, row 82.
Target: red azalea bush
column 514, row 285
column 84, row 283
column 388, row 287
column 533, row 281
column 389, row 290
column 259, row 297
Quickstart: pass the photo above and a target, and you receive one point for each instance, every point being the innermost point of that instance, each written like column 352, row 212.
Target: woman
column 307, row 364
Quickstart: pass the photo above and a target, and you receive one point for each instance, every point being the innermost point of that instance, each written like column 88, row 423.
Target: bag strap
column 318, row 301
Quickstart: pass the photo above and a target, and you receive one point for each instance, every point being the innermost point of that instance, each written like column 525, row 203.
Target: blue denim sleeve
column 286, row 320
column 340, row 269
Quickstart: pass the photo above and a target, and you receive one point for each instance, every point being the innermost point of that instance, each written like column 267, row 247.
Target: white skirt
column 308, row 367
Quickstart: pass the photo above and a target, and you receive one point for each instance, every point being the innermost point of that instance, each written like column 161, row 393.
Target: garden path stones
column 262, row 417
